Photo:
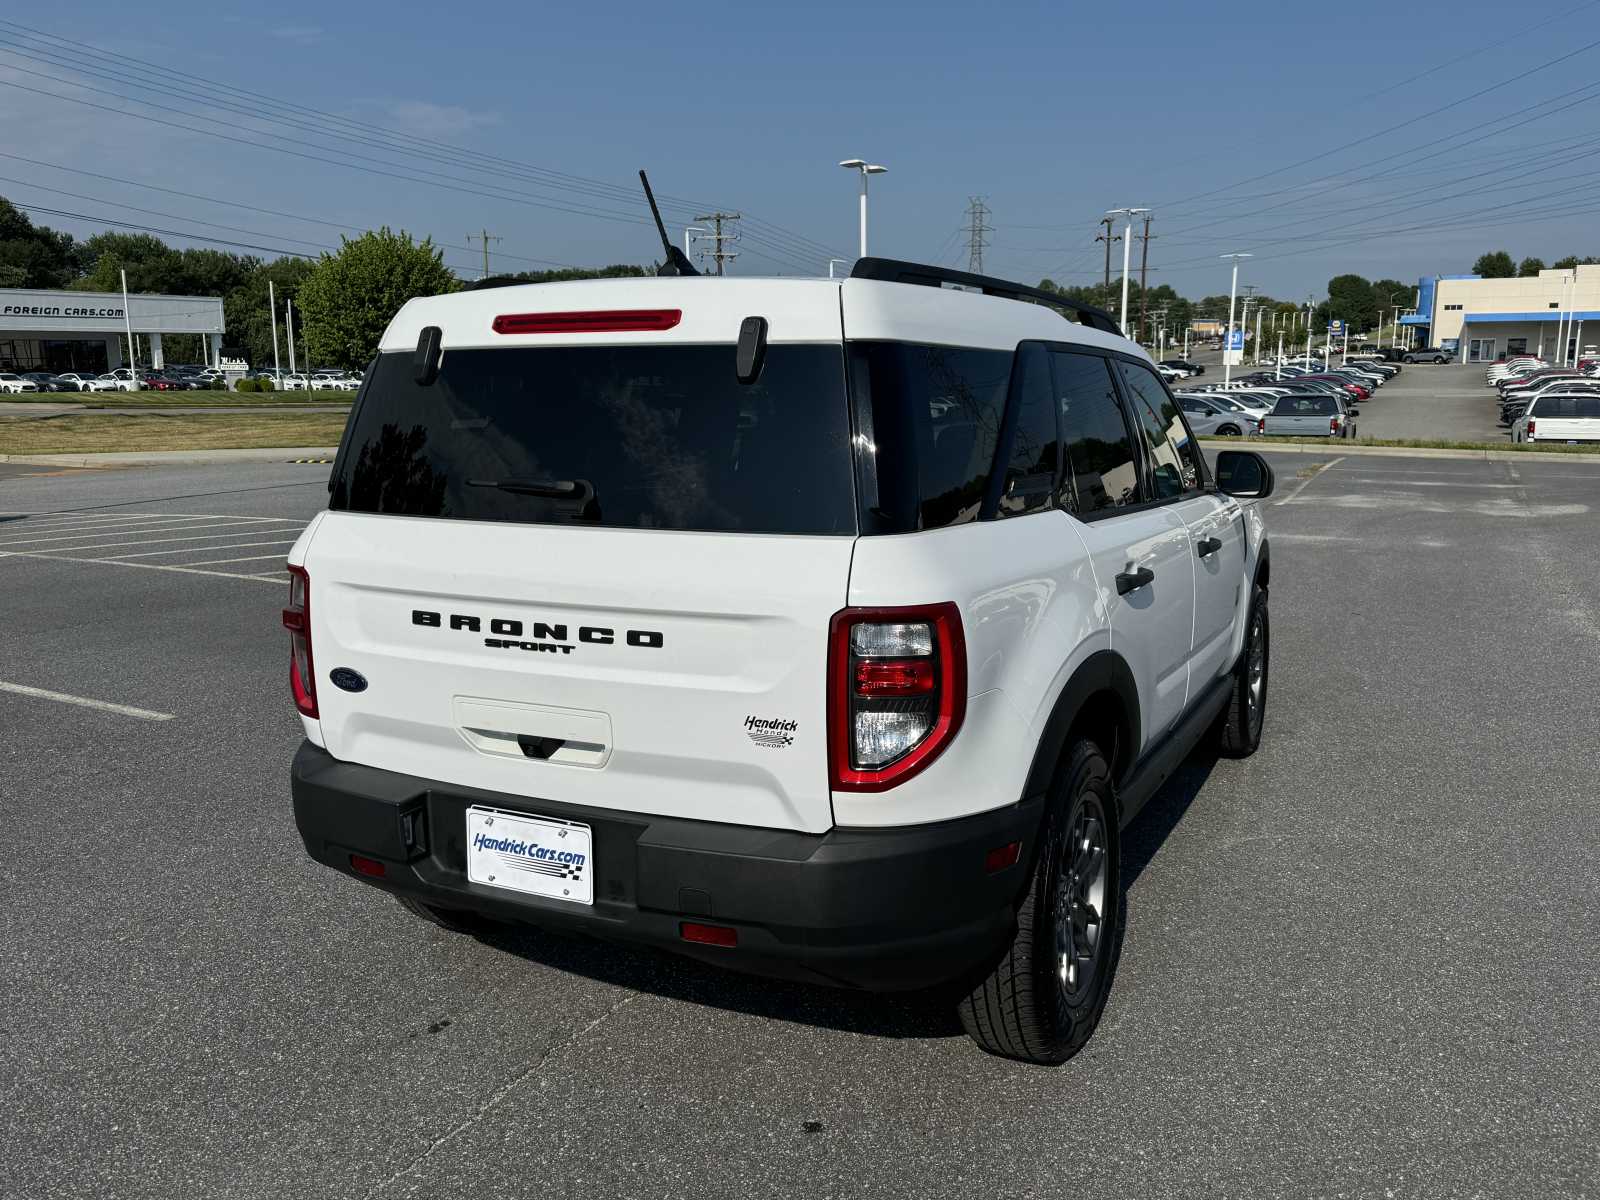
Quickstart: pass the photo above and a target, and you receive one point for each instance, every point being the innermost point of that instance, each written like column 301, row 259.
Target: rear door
column 600, row 575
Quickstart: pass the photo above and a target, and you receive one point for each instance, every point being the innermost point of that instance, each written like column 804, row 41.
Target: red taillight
column 367, row 866
column 895, row 677
column 1333, row 424
column 897, row 692
column 297, row 620
column 1261, row 424
column 708, row 935
column 1530, row 427
column 624, row 320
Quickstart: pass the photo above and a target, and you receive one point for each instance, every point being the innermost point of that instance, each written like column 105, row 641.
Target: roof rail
column 894, row 270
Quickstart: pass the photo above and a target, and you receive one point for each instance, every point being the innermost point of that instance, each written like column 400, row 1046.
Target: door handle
column 1132, row 581
column 1208, row 546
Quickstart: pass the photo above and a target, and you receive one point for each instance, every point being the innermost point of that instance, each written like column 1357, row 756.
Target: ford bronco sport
column 826, row 629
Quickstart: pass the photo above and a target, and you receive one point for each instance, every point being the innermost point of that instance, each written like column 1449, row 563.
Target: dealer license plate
column 537, row 855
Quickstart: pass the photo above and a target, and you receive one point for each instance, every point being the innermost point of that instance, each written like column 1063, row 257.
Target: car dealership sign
column 25, row 311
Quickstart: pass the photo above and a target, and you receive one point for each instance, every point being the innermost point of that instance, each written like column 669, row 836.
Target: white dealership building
column 1481, row 320
column 87, row 331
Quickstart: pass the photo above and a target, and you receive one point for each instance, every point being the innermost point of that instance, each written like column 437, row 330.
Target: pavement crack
column 531, row 1071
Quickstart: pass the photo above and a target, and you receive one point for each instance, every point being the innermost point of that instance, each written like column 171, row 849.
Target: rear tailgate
column 683, row 672
column 581, row 560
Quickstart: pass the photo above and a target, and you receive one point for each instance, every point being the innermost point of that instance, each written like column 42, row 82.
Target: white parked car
column 1209, row 416
column 1560, row 418
column 1308, row 416
column 628, row 616
column 86, row 382
column 13, row 384
column 332, row 381
column 294, row 382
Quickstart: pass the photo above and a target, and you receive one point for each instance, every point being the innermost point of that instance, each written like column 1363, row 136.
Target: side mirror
column 1245, row 474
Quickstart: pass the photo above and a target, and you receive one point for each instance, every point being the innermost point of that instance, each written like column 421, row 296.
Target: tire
column 1239, row 726
column 1228, row 431
column 455, row 920
column 1043, row 999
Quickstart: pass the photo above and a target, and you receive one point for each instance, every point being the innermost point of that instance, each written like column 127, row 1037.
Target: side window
column 1099, row 447
column 1174, row 462
column 1030, row 481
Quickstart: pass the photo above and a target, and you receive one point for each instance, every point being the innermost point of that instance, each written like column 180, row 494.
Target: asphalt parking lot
column 1361, row 963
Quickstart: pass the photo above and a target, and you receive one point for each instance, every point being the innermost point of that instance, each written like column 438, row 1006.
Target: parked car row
column 317, row 381
column 169, row 379
column 1541, row 403
column 1298, row 397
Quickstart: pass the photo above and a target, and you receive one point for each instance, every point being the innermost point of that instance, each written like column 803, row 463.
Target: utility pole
column 717, row 238
column 1144, row 264
column 485, row 237
column 1108, row 237
column 272, row 305
column 977, row 226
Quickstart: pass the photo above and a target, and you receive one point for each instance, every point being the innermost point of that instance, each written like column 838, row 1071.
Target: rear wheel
column 1043, row 999
column 1228, row 430
column 453, row 919
column 1239, row 727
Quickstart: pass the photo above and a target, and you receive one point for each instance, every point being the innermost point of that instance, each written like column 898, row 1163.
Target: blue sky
column 525, row 118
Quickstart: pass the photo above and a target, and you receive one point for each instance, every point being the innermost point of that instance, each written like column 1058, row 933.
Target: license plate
column 540, row 856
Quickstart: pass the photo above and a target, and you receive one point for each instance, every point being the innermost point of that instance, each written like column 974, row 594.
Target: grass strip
column 118, row 433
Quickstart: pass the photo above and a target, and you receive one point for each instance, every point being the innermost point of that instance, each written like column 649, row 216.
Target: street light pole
column 1227, row 340
column 1127, row 249
column 866, row 169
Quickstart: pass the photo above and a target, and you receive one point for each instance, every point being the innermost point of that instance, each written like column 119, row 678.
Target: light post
column 1127, row 247
column 1227, row 341
column 687, row 231
column 866, row 169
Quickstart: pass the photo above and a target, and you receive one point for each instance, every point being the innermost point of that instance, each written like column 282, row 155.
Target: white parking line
column 92, row 521
column 113, row 562
column 127, row 710
column 211, row 562
column 195, row 550
column 1310, row 479
column 199, row 537
column 74, row 537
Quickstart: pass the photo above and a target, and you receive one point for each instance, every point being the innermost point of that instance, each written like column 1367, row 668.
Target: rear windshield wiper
column 556, row 489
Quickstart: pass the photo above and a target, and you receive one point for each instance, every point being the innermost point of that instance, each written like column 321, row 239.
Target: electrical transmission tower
column 485, row 237
column 977, row 226
column 719, row 253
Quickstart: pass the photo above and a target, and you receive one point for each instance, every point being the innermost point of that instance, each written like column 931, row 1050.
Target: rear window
column 631, row 437
column 1571, row 407
column 1306, row 406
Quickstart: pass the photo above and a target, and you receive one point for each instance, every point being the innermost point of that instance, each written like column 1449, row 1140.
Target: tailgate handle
column 539, row 747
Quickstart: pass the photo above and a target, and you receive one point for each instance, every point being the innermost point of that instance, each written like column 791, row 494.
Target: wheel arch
column 1264, row 564
column 1101, row 700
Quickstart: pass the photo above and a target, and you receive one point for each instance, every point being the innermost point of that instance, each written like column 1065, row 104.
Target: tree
column 248, row 316
column 1352, row 300
column 349, row 297
column 1572, row 260
column 32, row 256
column 1530, row 267
column 1497, row 264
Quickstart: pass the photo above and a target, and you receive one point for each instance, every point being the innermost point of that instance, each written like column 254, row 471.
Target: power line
column 366, row 133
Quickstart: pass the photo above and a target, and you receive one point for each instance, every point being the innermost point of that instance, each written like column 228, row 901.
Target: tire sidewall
column 1085, row 783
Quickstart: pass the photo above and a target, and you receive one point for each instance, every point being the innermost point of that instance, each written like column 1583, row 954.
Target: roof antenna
column 677, row 261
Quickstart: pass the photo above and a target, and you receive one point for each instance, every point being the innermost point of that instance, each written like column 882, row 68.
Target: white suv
column 822, row 629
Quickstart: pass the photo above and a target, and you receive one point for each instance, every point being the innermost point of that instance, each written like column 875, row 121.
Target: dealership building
column 87, row 331
column 1485, row 319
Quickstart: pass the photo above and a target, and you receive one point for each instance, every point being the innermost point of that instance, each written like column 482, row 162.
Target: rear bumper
column 879, row 909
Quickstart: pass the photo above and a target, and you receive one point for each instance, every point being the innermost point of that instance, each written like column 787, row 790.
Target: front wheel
column 1239, row 727
column 1043, row 999
column 1229, row 431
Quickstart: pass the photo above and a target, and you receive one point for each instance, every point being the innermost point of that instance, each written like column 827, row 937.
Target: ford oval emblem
column 348, row 680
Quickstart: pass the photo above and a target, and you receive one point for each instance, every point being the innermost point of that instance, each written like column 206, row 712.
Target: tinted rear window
column 636, row 437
